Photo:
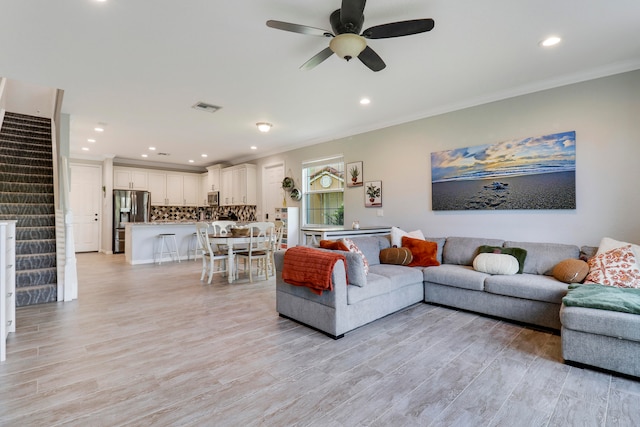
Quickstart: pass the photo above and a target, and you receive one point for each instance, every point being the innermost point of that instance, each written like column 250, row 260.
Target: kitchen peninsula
column 141, row 240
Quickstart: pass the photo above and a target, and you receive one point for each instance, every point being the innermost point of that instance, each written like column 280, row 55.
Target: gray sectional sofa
column 533, row 297
column 604, row 339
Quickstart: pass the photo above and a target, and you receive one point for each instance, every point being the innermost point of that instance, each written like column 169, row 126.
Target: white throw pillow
column 608, row 244
column 397, row 234
column 496, row 263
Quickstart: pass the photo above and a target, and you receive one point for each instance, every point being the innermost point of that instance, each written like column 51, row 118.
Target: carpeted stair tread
column 24, row 187
column 16, row 209
column 41, row 294
column 35, row 262
column 25, row 221
column 36, row 277
column 35, row 233
column 26, row 198
column 9, row 148
column 26, row 178
column 36, row 246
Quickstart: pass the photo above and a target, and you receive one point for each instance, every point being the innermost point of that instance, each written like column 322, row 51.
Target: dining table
column 229, row 240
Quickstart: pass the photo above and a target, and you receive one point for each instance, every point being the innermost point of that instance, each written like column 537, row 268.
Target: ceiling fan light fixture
column 264, row 126
column 347, row 45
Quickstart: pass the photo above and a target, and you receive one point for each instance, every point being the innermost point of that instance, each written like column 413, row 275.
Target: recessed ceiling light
column 264, row 126
column 144, row 155
column 550, row 41
column 253, row 147
column 203, row 155
column 91, row 140
column 191, row 161
column 85, row 149
column 365, row 101
column 98, row 129
column 152, row 148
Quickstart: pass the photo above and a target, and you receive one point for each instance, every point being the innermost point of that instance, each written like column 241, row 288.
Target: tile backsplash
column 242, row 213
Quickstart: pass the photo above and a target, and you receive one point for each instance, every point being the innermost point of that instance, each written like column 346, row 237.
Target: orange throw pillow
column 424, row 252
column 334, row 245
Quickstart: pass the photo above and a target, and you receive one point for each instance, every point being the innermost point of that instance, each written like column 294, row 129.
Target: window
column 323, row 191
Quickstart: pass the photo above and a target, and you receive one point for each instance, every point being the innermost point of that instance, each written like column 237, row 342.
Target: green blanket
column 626, row 300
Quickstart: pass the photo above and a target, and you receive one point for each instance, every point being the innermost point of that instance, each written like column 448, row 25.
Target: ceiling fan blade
column 399, row 29
column 371, row 59
column 317, row 59
column 351, row 13
column 296, row 28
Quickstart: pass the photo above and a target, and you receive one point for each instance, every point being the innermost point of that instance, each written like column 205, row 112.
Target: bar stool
column 163, row 237
column 194, row 247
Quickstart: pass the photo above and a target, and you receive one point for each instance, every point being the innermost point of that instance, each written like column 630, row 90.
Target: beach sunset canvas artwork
column 528, row 173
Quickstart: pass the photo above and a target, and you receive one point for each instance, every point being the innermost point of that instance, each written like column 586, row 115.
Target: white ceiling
column 139, row 66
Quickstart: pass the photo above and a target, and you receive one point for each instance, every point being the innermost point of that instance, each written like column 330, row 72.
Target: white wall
column 605, row 113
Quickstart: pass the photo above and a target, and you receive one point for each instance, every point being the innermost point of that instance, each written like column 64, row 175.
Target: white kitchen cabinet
column 226, row 194
column 215, row 178
column 158, row 188
column 239, row 185
column 130, row 179
column 190, row 187
column 175, row 189
column 204, row 189
column 7, row 283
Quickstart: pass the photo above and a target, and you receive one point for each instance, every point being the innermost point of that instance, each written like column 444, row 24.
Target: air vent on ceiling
column 164, row 154
column 203, row 106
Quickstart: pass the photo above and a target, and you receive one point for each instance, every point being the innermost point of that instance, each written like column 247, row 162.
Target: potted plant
column 355, row 173
column 373, row 192
column 287, row 183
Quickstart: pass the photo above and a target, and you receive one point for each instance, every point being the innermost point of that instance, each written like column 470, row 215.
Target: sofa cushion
column 463, row 250
column 527, row 286
column 457, row 276
column 571, row 270
column 401, row 275
column 491, row 263
column 376, row 285
column 518, row 253
column 371, row 247
column 602, row 322
column 424, row 252
column 542, row 257
column 440, row 241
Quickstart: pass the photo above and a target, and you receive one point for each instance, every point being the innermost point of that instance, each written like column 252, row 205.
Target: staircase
column 26, row 195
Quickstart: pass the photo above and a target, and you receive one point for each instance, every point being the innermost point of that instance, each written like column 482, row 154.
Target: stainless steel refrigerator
column 128, row 206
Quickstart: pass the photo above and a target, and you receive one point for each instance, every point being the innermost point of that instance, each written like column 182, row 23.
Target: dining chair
column 209, row 255
column 260, row 249
column 222, row 228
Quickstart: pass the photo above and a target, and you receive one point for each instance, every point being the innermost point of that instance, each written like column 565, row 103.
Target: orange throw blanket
column 304, row 266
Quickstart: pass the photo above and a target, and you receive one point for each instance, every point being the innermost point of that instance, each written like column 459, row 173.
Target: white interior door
column 86, row 206
column 272, row 194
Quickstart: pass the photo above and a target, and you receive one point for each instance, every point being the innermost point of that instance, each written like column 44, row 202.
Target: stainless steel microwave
column 213, row 198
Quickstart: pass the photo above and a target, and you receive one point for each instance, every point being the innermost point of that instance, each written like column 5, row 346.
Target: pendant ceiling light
column 264, row 126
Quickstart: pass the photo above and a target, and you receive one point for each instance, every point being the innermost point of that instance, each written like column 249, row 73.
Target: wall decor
column 529, row 173
column 373, row 194
column 355, row 174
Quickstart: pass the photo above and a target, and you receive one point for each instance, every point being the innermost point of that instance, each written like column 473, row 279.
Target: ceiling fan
column 347, row 41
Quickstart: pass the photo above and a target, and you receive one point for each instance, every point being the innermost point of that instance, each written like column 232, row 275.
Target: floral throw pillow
column 354, row 248
column 617, row 267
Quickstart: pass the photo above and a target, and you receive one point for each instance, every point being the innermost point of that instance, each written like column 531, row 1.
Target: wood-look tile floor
column 152, row 346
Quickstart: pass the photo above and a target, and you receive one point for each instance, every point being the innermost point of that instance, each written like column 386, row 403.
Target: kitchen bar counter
column 141, row 240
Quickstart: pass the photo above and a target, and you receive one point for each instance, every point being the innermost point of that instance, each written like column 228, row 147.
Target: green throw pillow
column 519, row 253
